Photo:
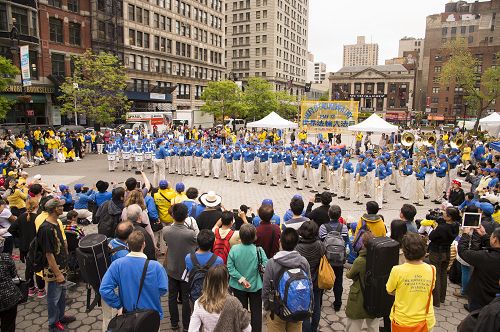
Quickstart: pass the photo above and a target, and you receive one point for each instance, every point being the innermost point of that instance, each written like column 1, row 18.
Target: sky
column 334, row 23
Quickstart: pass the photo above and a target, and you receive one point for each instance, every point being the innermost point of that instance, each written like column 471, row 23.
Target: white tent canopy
column 272, row 120
column 491, row 124
column 374, row 124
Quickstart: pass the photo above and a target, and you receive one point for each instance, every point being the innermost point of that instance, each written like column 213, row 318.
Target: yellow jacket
column 163, row 200
column 20, row 143
column 374, row 223
column 18, row 198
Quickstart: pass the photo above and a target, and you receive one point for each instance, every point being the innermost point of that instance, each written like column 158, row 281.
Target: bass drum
column 93, row 258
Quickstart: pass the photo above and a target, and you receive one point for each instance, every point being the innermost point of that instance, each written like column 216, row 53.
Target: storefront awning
column 435, row 118
column 36, row 98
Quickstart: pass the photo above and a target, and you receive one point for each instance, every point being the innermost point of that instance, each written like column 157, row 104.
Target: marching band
column 315, row 166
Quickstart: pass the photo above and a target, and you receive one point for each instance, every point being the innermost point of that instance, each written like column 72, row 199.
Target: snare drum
column 111, row 156
column 126, row 155
column 148, row 156
column 139, row 157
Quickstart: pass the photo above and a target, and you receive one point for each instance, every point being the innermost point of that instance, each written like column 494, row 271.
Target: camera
column 435, row 214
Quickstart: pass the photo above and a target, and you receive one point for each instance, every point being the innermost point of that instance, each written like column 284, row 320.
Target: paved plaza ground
column 32, row 316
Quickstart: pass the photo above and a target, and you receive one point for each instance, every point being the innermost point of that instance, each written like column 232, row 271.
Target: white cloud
column 333, row 23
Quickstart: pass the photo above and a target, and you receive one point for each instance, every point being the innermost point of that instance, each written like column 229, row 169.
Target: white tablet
column 472, row 220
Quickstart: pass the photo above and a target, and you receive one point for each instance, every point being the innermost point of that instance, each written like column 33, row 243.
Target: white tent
column 272, row 120
column 374, row 124
column 491, row 124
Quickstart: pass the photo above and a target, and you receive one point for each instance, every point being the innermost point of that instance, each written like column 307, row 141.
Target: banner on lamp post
column 25, row 65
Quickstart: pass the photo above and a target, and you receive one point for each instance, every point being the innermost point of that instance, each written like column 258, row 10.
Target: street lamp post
column 23, row 98
column 464, row 115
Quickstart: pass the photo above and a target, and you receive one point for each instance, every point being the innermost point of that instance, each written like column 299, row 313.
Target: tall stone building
column 171, row 48
column 360, row 54
column 268, row 39
column 478, row 23
column 319, row 72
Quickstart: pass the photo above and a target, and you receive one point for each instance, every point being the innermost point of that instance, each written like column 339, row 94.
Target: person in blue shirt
column 263, row 169
column 359, row 179
column 316, row 165
column 275, row 218
column 300, row 161
column 119, row 245
column 198, row 156
column 275, row 157
column 454, row 160
column 205, row 240
column 125, row 274
column 237, row 156
column 469, row 201
column 441, row 171
column 159, row 164
column 111, row 151
column 407, row 183
column 102, row 195
column 370, row 175
column 345, row 178
column 287, row 160
column 380, row 176
column 430, row 177
column 83, row 197
column 249, row 163
column 66, row 195
column 420, row 177
column 228, row 157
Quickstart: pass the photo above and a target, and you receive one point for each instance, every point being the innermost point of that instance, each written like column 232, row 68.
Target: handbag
column 23, row 286
column 137, row 319
column 421, row 326
column 326, row 276
column 260, row 266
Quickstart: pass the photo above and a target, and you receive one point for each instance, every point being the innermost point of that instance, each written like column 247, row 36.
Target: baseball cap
column 179, row 187
column 63, row 187
column 163, row 184
column 78, row 186
column 267, row 201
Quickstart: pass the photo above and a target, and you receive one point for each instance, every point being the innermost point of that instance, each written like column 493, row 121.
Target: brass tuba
column 457, row 142
column 408, row 139
column 430, row 139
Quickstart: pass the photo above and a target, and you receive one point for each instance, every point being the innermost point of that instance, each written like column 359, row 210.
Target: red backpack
column 221, row 245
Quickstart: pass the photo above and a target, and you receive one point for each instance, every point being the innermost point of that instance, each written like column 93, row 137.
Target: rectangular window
column 74, row 33
column 138, row 41
column 146, row 40
column 138, row 62
column 131, row 12
column 156, row 20
column 131, row 37
column 74, row 6
column 138, row 14
column 145, row 16
column 471, row 28
column 444, row 31
column 435, row 90
column 58, row 64
column 3, row 17
column 55, row 3
column 101, row 30
column 21, row 16
column 146, row 63
column 156, row 43
column 463, row 29
column 56, row 30
column 453, row 31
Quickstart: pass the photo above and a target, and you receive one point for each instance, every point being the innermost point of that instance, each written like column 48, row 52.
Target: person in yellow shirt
column 466, row 151
column 412, row 283
column 446, row 137
column 302, row 136
column 37, row 134
column 262, row 136
column 181, row 195
column 163, row 200
column 19, row 143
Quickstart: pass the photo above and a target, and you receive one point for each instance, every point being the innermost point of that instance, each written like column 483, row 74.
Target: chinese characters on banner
column 328, row 116
column 25, row 65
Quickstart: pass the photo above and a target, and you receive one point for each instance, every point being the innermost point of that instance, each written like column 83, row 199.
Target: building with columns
column 386, row 90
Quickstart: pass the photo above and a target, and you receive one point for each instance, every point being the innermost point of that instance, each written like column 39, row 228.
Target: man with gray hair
column 134, row 213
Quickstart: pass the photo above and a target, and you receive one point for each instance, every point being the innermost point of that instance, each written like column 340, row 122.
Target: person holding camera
column 441, row 239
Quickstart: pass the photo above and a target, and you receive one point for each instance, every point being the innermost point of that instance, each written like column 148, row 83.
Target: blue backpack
column 293, row 295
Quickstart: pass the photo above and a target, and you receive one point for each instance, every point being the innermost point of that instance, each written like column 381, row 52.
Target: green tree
column 223, row 98
column 260, row 98
column 324, row 97
column 480, row 91
column 8, row 72
column 99, row 90
column 288, row 105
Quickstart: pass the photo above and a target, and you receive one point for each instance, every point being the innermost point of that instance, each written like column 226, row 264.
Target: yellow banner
column 328, row 116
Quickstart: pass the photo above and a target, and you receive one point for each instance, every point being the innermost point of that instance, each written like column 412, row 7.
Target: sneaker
column 458, row 293
column 15, row 257
column 57, row 327
column 32, row 291
column 67, row 319
column 41, row 293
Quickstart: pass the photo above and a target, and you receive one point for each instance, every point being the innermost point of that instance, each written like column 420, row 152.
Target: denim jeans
column 312, row 324
column 56, row 301
column 176, row 287
column 465, row 277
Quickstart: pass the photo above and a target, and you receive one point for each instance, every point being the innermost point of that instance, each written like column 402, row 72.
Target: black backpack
column 197, row 276
column 35, row 260
column 106, row 223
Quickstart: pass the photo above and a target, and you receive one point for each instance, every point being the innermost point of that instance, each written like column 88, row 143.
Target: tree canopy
column 223, row 98
column 99, row 90
column 8, row 72
column 480, row 89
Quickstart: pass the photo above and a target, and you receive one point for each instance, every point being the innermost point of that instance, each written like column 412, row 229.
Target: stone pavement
column 32, row 316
